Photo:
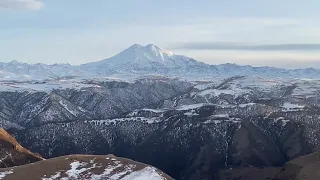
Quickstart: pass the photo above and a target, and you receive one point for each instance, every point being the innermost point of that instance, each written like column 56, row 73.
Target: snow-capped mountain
column 140, row 57
column 138, row 61
column 141, row 60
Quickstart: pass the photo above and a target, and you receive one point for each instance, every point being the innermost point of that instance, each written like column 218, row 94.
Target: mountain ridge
column 190, row 130
column 138, row 60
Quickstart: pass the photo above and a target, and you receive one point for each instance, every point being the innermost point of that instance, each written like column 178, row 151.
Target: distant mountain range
column 137, row 61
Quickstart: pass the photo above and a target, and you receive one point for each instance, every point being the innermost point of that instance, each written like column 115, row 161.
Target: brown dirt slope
column 12, row 153
column 303, row 168
column 83, row 167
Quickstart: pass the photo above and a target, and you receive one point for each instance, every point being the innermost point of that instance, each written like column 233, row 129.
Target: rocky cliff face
column 12, row 153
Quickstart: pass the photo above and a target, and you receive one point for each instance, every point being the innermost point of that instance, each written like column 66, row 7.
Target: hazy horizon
column 282, row 34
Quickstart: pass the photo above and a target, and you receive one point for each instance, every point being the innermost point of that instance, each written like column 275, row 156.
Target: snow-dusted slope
column 85, row 167
column 176, row 126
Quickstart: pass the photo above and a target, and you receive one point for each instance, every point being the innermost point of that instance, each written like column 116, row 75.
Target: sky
column 280, row 33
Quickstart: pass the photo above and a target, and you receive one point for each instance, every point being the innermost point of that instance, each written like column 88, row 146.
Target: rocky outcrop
column 302, row 168
column 12, row 153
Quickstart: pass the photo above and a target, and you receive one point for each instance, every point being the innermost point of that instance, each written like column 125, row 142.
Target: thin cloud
column 21, row 4
column 246, row 47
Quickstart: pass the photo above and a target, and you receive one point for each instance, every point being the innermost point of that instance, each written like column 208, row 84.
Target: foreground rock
column 83, row 167
column 12, row 153
column 28, row 165
column 302, row 168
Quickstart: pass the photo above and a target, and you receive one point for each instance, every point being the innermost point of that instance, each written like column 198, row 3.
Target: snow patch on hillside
column 192, row 106
column 5, row 173
column 54, row 177
column 74, row 172
column 146, row 173
column 115, row 170
column 121, row 120
column 217, row 92
column 46, row 86
column 290, row 106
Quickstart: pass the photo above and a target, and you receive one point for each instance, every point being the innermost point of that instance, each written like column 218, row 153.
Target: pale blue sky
column 284, row 33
